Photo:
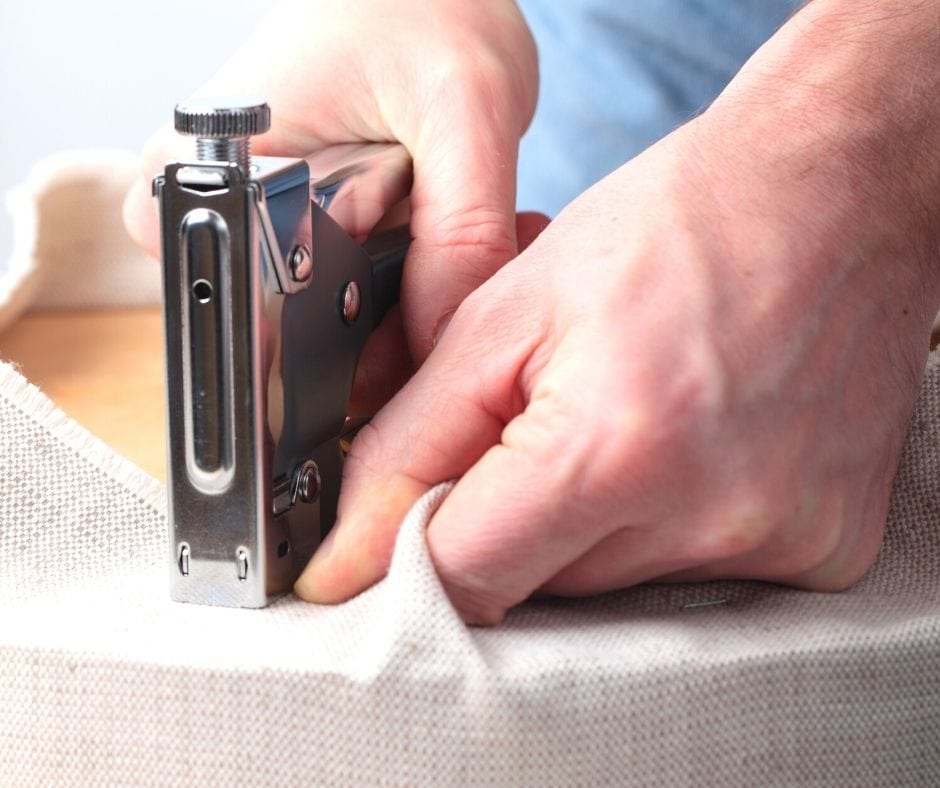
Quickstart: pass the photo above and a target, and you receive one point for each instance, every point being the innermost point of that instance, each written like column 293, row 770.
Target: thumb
column 512, row 521
column 140, row 211
column 444, row 419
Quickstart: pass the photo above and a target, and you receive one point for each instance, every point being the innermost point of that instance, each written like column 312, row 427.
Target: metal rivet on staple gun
column 352, row 301
column 241, row 559
column 301, row 263
column 307, row 482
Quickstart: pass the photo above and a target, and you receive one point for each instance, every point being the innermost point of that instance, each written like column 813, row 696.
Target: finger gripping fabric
column 104, row 681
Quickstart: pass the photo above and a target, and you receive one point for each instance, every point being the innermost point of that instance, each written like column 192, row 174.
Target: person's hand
column 455, row 82
column 702, row 369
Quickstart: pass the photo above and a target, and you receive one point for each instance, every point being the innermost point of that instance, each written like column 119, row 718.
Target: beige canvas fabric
column 104, row 681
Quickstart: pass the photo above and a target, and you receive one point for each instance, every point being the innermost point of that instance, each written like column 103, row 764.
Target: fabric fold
column 104, row 680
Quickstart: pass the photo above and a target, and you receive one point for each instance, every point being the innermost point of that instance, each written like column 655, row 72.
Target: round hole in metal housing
column 202, row 291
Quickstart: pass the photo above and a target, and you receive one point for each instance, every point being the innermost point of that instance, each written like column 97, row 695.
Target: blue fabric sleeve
column 616, row 75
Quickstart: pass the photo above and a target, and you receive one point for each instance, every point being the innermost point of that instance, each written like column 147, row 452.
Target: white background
column 102, row 73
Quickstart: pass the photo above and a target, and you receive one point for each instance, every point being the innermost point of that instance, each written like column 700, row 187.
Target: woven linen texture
column 104, row 681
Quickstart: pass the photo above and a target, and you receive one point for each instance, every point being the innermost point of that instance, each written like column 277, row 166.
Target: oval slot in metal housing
column 205, row 248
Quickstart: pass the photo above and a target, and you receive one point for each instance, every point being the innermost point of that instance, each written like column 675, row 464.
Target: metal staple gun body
column 273, row 281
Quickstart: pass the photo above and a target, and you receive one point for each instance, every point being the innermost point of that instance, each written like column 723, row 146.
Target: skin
column 704, row 367
column 454, row 82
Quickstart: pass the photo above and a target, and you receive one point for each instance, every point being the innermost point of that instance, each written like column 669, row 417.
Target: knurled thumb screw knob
column 223, row 127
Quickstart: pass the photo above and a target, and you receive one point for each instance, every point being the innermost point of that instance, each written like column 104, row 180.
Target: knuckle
column 631, row 451
column 735, row 529
column 475, row 606
column 475, row 242
column 815, row 533
column 548, row 435
column 481, row 76
column 836, row 546
column 654, row 428
column 814, row 549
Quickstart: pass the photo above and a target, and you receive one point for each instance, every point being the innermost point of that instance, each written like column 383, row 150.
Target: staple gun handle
column 387, row 251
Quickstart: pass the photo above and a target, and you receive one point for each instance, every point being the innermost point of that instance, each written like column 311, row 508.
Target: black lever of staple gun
column 274, row 277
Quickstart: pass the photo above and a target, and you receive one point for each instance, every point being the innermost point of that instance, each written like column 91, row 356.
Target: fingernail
column 356, row 553
column 441, row 327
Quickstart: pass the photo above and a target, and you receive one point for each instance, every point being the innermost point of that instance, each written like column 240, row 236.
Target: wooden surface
column 104, row 369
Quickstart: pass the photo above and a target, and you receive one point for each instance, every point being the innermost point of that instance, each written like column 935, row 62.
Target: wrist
column 831, row 127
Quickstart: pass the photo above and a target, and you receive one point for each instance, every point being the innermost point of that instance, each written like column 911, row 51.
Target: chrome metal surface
column 207, row 358
column 222, row 116
column 282, row 495
column 362, row 187
column 307, row 483
column 237, row 151
column 352, row 302
column 215, row 357
column 260, row 356
column 287, row 283
column 223, row 127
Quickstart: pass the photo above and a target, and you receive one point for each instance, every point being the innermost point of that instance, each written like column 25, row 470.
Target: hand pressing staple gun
column 273, row 280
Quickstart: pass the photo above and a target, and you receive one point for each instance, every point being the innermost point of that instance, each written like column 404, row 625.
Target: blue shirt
column 616, row 75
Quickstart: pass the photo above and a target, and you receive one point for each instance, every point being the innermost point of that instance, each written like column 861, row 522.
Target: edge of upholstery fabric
column 32, row 401
column 103, row 680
